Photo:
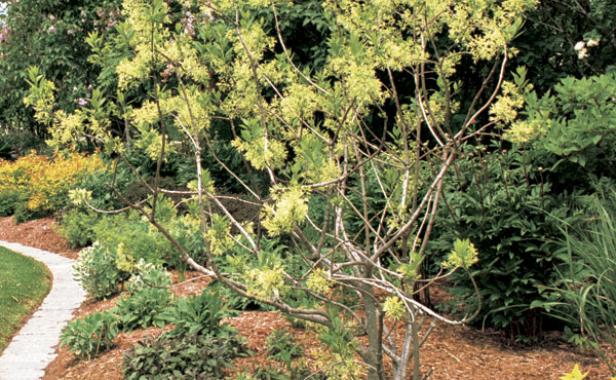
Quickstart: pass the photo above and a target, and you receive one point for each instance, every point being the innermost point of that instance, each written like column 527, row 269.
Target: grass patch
column 24, row 283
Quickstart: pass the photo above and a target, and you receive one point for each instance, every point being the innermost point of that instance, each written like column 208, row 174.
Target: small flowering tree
column 354, row 149
column 49, row 34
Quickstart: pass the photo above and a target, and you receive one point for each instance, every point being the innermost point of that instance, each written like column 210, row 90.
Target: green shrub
column 91, row 335
column 51, row 34
column 22, row 213
column 571, row 130
column 97, row 271
column 137, row 239
column 499, row 203
column 196, row 315
column 8, row 200
column 194, row 357
column 77, row 227
column 187, row 231
column 15, row 142
column 149, row 296
column 547, row 45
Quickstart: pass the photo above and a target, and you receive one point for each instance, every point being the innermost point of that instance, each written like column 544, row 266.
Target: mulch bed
column 450, row 353
column 39, row 233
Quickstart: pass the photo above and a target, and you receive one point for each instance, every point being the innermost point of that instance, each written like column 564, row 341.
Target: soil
column 450, row 352
column 39, row 233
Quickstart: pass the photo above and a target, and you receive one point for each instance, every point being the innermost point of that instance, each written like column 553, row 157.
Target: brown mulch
column 107, row 366
column 450, row 353
column 458, row 352
column 39, row 233
column 255, row 327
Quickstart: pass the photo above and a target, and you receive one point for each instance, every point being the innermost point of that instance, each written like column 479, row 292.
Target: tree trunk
column 374, row 324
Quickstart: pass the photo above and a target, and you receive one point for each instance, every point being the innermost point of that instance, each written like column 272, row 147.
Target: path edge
column 44, row 326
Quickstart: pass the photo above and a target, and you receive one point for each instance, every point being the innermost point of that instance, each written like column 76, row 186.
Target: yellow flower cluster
column 463, row 255
column 505, row 109
column 394, row 308
column 266, row 283
column 291, row 208
column 318, row 281
column 42, row 182
column 218, row 236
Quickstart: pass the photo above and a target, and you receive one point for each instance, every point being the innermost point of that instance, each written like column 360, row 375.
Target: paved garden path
column 33, row 348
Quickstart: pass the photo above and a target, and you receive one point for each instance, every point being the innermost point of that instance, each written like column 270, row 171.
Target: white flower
column 579, row 46
column 583, row 53
column 592, row 42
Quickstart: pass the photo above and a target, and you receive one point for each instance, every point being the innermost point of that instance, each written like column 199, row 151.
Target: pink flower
column 4, row 33
column 189, row 27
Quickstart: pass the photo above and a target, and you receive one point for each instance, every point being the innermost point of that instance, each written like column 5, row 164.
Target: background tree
column 50, row 34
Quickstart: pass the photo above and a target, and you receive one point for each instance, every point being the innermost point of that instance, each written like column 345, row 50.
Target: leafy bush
column 500, row 204
column 183, row 357
column 149, row 296
column 16, row 141
column 98, row 272
column 135, row 238
column 77, row 227
column 548, row 44
column 91, row 335
column 196, row 315
column 22, row 213
column 43, row 183
column 8, row 200
column 574, row 127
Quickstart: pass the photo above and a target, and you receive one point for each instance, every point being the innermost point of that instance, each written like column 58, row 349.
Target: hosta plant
column 149, row 295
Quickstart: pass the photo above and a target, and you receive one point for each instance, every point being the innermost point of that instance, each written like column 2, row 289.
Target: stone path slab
column 33, row 348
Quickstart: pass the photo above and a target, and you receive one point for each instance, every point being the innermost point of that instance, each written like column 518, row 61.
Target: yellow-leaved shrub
column 41, row 184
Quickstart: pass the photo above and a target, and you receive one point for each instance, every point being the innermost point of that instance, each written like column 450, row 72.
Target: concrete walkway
column 33, row 348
